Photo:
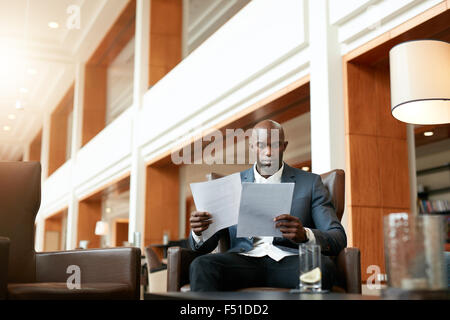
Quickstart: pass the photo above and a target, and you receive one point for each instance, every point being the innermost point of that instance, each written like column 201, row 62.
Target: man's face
column 269, row 148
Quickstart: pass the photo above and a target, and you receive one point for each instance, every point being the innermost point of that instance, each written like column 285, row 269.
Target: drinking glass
column 310, row 274
column 414, row 252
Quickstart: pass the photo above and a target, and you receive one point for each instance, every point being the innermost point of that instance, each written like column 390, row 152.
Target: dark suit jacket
column 311, row 203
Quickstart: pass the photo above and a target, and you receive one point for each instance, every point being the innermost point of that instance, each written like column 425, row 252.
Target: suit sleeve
column 329, row 233
column 205, row 246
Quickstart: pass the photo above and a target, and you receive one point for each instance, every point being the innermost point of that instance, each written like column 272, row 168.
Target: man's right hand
column 200, row 221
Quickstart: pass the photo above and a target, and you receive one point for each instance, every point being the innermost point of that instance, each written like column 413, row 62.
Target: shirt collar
column 275, row 178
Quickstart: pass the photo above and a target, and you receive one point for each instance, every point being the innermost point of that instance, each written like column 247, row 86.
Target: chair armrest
column 163, row 267
column 178, row 262
column 4, row 260
column 349, row 267
column 116, row 265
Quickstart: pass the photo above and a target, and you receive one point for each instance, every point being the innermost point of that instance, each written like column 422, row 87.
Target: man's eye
column 261, row 145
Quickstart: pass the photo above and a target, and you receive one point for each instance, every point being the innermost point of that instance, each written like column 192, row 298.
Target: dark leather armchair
column 157, row 271
column 25, row 274
column 347, row 262
column 154, row 262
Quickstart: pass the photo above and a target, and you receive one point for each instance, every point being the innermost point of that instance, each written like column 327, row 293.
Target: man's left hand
column 291, row 227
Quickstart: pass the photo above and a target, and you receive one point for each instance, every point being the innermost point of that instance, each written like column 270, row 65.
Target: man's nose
column 268, row 151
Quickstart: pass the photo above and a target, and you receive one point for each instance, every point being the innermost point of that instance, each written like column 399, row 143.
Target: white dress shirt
column 263, row 246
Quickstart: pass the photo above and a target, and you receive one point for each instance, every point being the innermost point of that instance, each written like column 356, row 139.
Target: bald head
column 269, row 145
column 269, row 125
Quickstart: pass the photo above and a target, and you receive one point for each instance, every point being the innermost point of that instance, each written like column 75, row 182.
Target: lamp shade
column 101, row 228
column 420, row 81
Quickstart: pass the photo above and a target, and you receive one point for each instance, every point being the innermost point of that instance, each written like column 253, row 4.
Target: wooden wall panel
column 35, row 148
column 120, row 33
column 53, row 224
column 386, row 124
column 162, row 203
column 367, row 226
column 59, row 132
column 377, row 166
column 94, row 107
column 394, row 178
column 165, row 37
column 377, row 157
column 377, row 160
column 121, row 233
column 364, row 179
column 58, row 140
column 89, row 212
column 361, row 94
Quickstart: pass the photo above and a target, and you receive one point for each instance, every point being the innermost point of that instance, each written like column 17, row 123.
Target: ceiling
column 38, row 63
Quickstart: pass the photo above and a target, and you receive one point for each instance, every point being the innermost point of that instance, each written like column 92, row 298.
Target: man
column 269, row 261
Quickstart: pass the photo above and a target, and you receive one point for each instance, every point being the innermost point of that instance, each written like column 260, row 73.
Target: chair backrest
column 153, row 260
column 20, row 198
column 334, row 181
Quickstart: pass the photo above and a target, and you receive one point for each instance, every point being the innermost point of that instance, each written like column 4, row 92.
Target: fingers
column 288, row 224
column 289, row 235
column 199, row 230
column 285, row 217
column 288, row 230
column 200, row 221
column 200, row 224
column 197, row 216
column 200, row 214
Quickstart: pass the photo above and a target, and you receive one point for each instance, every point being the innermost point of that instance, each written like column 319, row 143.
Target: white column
column 45, row 153
column 77, row 118
column 138, row 170
column 184, row 38
column 182, row 199
column 327, row 100
column 45, row 146
column 39, row 236
column 410, row 138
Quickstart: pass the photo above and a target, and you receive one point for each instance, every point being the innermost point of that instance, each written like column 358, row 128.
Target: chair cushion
column 59, row 291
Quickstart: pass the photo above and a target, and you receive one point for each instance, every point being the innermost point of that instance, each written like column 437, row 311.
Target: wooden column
column 120, row 232
column 377, row 154
column 162, row 203
column 95, row 81
column 59, row 132
column 94, row 104
column 35, row 148
column 377, row 174
column 165, row 37
column 53, row 224
column 89, row 212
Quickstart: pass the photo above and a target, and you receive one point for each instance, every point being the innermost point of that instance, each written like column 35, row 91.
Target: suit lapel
column 288, row 174
column 248, row 175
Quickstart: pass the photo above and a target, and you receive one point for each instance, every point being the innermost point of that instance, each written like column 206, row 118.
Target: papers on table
column 260, row 204
column 220, row 198
column 252, row 206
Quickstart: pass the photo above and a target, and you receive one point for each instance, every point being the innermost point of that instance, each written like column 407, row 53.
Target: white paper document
column 219, row 197
column 260, row 204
